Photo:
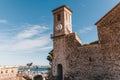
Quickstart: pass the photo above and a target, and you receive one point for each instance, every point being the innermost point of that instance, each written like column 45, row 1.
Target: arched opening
column 60, row 72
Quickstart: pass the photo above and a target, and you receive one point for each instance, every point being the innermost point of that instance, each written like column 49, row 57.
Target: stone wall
column 92, row 62
column 85, row 62
column 109, row 38
column 109, row 27
column 59, row 58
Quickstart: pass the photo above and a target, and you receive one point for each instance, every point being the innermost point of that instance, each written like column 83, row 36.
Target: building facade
column 98, row 61
column 8, row 73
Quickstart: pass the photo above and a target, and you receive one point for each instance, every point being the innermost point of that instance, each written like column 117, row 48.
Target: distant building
column 8, row 73
column 97, row 61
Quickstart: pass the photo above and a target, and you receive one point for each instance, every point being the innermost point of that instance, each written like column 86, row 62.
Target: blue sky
column 26, row 25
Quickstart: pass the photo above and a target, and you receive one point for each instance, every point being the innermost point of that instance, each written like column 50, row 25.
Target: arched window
column 58, row 17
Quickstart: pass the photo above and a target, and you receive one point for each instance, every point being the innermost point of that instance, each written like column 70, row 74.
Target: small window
column 90, row 59
column 1, row 72
column 6, row 71
column 12, row 71
column 58, row 17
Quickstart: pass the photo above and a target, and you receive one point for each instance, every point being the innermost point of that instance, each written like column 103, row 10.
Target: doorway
column 60, row 72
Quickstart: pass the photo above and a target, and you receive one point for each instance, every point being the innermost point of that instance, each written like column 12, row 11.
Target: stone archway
column 60, row 72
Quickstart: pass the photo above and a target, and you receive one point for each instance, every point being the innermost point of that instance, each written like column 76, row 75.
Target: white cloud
column 86, row 29
column 25, row 42
column 46, row 48
column 3, row 21
column 31, row 31
column 29, row 44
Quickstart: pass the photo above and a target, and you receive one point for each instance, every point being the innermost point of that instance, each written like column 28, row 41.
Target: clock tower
column 62, row 21
column 62, row 27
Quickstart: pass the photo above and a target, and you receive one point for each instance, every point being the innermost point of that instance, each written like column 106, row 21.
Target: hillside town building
column 8, row 73
column 97, row 61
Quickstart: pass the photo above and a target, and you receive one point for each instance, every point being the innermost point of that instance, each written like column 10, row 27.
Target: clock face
column 59, row 27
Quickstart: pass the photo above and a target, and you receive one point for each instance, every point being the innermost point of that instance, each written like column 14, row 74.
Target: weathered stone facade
column 99, row 61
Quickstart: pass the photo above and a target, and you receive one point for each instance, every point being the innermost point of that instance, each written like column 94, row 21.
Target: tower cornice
column 61, row 8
